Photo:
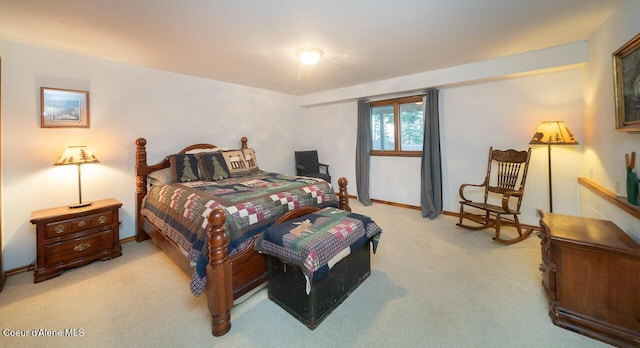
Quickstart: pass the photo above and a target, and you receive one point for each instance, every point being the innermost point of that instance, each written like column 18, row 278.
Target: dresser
column 591, row 274
column 72, row 237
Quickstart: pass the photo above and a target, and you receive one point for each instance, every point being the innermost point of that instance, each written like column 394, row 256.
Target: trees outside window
column 397, row 127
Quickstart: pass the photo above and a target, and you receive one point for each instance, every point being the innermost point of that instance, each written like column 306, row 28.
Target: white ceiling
column 254, row 42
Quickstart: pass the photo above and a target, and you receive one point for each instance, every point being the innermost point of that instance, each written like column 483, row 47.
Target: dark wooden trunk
column 287, row 286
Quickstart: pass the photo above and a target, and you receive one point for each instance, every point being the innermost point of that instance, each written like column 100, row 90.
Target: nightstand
column 69, row 237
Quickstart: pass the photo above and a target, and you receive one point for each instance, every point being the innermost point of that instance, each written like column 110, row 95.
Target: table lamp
column 77, row 155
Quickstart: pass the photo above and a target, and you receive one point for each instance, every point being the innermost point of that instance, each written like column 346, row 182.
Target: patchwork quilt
column 252, row 203
column 317, row 241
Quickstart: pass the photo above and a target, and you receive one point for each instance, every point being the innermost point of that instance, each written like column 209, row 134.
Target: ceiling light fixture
column 309, row 56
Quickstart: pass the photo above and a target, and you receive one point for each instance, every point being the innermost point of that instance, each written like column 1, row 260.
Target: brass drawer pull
column 102, row 219
column 82, row 247
column 59, row 229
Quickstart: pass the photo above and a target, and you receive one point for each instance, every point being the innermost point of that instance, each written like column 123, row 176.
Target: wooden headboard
column 143, row 169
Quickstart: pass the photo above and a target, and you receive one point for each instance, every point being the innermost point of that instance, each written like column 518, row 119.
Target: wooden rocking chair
column 506, row 177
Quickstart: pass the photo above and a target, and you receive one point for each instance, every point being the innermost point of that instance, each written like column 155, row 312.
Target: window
column 397, row 127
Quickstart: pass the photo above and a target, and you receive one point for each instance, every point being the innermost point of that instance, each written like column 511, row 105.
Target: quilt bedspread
column 252, row 204
column 317, row 241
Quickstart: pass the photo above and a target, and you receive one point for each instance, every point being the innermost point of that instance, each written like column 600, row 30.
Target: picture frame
column 626, row 81
column 63, row 108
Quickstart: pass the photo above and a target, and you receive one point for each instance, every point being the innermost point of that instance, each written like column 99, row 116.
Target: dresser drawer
column 548, row 277
column 65, row 227
column 77, row 249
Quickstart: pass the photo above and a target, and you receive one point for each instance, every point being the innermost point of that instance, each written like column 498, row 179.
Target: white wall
column 503, row 113
column 605, row 147
column 126, row 102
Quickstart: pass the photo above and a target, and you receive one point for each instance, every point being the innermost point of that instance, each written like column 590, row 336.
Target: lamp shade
column 309, row 56
column 553, row 132
column 76, row 155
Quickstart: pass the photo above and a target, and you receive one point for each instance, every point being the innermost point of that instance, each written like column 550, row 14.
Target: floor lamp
column 552, row 133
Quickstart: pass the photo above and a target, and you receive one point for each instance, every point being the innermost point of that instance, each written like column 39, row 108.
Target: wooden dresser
column 591, row 273
column 69, row 237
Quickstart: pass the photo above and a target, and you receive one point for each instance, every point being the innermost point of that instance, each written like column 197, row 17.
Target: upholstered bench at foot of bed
column 287, row 286
column 317, row 259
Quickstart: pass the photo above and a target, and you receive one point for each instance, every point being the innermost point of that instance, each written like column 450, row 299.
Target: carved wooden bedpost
column 219, row 285
column 343, row 195
column 142, row 169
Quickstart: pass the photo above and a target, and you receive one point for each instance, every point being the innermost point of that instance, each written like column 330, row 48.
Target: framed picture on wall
column 626, row 81
column 63, row 108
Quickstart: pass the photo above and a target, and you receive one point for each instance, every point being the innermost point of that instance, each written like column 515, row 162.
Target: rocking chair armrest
column 505, row 200
column 461, row 190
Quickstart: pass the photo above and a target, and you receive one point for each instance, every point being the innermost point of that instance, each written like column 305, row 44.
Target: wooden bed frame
column 228, row 277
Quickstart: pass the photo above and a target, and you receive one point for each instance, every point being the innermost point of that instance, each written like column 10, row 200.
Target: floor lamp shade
column 552, row 133
column 77, row 155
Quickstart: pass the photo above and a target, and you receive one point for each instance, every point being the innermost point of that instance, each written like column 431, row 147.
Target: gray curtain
column 363, row 148
column 431, row 169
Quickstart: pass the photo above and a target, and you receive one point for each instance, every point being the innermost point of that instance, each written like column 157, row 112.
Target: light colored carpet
column 432, row 285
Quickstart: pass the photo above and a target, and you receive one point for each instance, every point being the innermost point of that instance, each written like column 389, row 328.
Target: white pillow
column 203, row 150
column 160, row 177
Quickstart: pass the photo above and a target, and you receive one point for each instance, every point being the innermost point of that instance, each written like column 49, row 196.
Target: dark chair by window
column 307, row 164
column 503, row 188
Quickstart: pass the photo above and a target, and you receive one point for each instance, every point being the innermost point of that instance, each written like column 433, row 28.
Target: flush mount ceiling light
column 309, row 56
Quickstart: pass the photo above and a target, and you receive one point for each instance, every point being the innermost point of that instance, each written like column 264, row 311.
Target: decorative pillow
column 160, row 177
column 235, row 163
column 250, row 159
column 241, row 162
column 213, row 166
column 184, row 167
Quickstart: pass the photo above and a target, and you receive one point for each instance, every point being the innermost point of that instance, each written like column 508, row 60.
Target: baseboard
column 128, row 239
column 27, row 268
column 17, row 270
column 401, row 205
column 449, row 213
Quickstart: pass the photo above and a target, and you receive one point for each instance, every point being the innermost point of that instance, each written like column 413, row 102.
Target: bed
column 206, row 217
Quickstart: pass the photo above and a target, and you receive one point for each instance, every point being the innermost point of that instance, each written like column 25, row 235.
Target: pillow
column 184, row 168
column 235, row 163
column 214, row 149
column 195, row 151
column 250, row 160
column 160, row 177
column 213, row 166
column 240, row 162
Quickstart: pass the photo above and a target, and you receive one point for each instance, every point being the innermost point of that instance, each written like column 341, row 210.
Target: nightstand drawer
column 77, row 249
column 64, row 227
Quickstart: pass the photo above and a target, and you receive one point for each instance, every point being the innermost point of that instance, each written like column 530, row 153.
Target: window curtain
column 363, row 149
column 431, row 168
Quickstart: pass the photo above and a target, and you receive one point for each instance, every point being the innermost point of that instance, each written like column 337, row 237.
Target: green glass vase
column 632, row 187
